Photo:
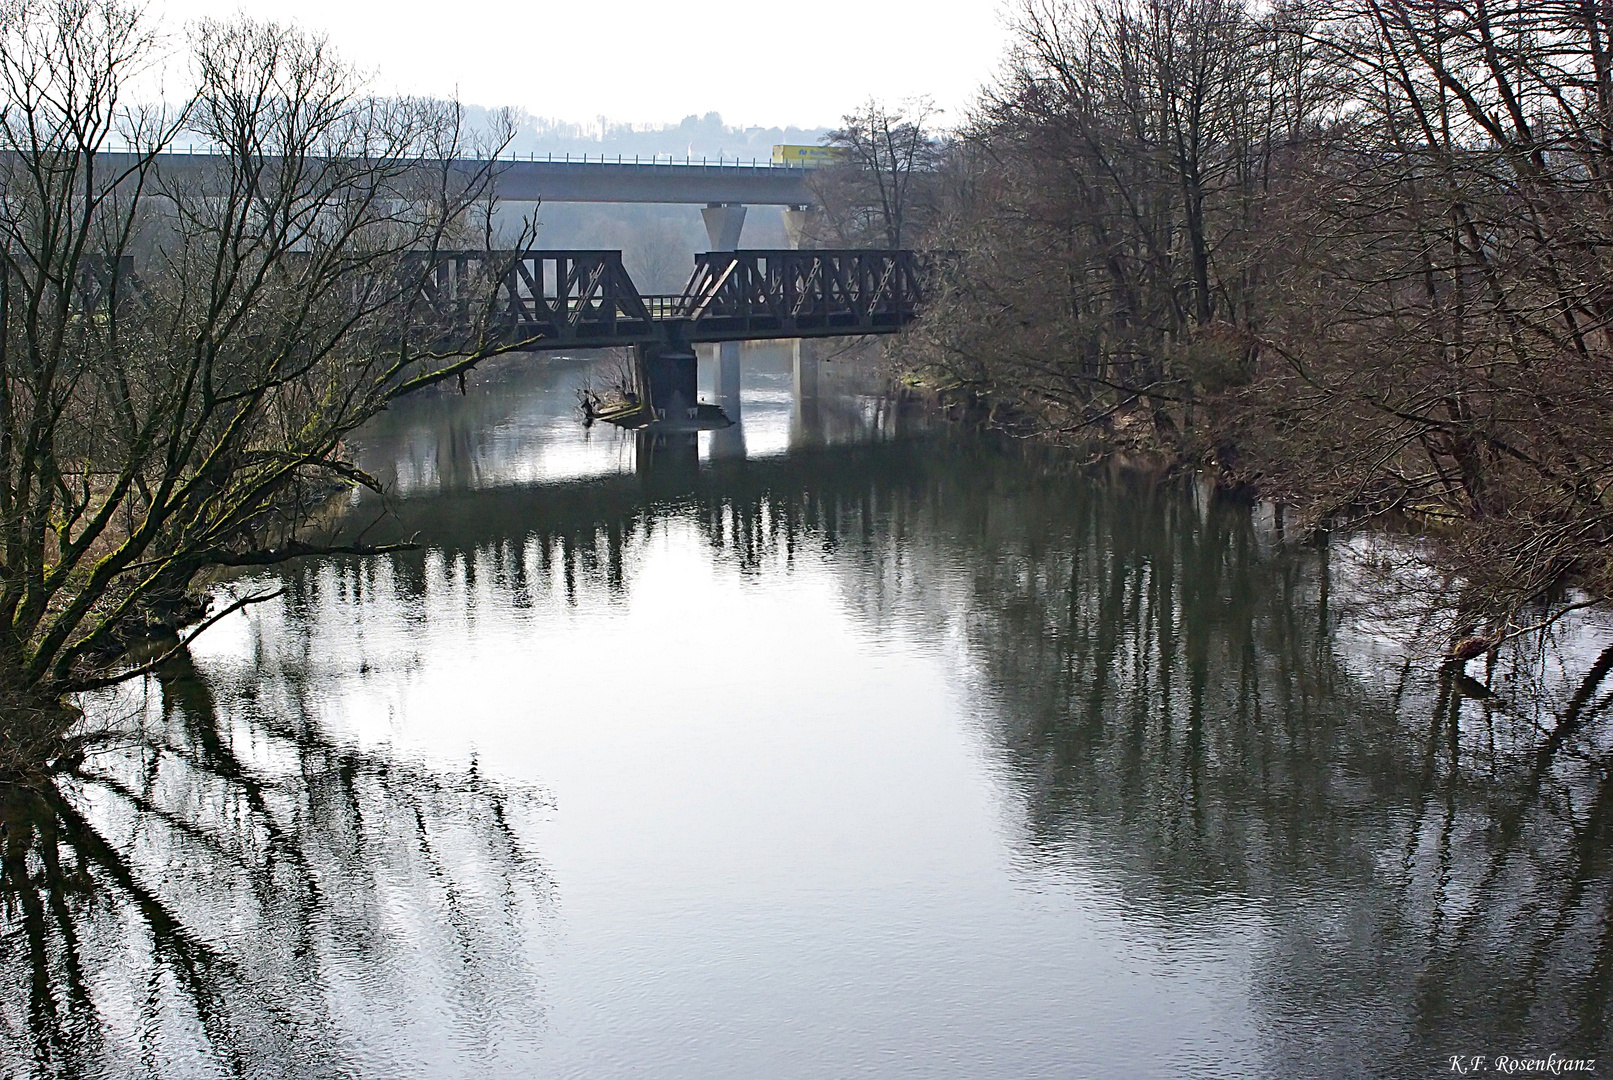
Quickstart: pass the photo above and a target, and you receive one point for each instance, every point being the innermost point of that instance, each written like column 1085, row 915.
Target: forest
column 1351, row 255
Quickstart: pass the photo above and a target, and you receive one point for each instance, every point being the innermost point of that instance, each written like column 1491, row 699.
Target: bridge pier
column 668, row 380
column 804, row 363
column 799, row 224
column 725, row 377
column 724, row 223
column 727, row 444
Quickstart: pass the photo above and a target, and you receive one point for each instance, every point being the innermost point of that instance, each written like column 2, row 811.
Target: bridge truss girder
column 580, row 299
column 743, row 295
column 587, row 299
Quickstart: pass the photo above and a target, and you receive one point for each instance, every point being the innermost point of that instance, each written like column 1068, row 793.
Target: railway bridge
column 536, row 300
column 586, row 299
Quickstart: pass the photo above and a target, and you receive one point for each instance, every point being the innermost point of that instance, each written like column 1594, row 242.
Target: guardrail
column 666, row 307
column 719, row 161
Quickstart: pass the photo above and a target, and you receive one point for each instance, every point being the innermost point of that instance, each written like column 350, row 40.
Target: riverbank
column 1498, row 575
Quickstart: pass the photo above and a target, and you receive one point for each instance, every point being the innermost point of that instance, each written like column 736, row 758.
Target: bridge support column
column 725, row 376
column 668, row 376
column 724, row 223
column 806, row 415
column 805, row 364
column 800, row 225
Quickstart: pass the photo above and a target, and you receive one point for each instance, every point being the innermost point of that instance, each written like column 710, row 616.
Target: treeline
column 1354, row 252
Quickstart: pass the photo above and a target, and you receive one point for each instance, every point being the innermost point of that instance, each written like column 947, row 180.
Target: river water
column 837, row 744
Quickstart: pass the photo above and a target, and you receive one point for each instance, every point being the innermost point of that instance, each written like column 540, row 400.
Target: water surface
column 836, row 744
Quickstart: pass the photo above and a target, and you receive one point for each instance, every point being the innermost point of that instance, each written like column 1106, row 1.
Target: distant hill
column 694, row 136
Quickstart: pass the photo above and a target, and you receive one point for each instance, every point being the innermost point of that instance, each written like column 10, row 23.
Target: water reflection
column 1195, row 717
column 239, row 895
column 516, row 424
column 1223, row 824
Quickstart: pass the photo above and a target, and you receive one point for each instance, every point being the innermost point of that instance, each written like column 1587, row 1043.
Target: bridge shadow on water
column 1185, row 706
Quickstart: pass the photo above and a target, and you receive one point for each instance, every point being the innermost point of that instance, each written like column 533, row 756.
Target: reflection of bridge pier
column 665, row 452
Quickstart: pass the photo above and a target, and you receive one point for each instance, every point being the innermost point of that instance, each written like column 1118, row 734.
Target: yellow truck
column 807, row 156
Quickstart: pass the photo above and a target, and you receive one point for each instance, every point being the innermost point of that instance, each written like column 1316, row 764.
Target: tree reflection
column 238, row 895
column 1195, row 713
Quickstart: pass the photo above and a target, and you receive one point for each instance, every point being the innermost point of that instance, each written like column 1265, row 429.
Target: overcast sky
column 631, row 60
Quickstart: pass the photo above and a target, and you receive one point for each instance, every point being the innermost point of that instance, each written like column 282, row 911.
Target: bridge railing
column 710, row 161
column 663, row 307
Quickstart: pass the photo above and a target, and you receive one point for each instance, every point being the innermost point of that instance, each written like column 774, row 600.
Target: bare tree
column 1110, row 204
column 879, row 183
column 184, row 350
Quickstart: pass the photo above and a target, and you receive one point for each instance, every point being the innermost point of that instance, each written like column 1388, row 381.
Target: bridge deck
column 571, row 181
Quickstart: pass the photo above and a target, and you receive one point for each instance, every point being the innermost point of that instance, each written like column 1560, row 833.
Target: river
column 843, row 743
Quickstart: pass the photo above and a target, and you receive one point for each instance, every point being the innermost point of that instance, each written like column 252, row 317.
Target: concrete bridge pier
column 800, row 223
column 804, row 361
column 727, row 444
column 725, row 377
column 724, row 223
column 806, row 420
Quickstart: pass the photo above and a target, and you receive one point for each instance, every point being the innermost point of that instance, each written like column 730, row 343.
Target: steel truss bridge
column 586, row 299
column 541, row 300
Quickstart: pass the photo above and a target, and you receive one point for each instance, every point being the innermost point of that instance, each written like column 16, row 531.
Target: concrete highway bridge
column 619, row 179
column 724, row 188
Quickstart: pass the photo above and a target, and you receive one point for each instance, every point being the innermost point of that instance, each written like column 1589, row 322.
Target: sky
column 641, row 62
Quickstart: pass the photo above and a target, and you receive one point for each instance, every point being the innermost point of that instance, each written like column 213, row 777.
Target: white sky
column 633, row 60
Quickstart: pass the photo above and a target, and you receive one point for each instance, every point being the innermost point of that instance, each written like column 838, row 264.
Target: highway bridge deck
column 532, row 179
